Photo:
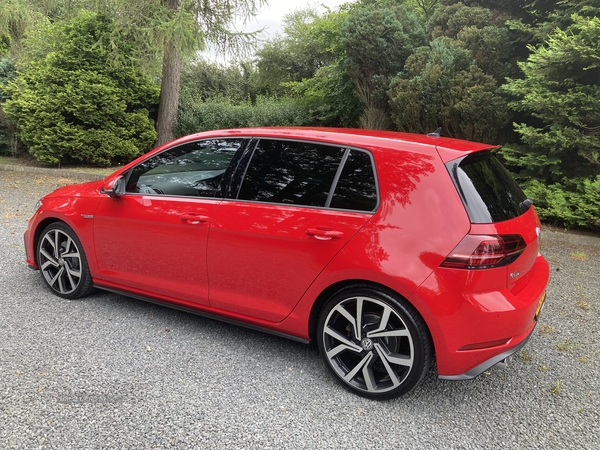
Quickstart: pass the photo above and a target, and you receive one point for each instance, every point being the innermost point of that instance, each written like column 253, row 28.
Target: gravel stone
column 110, row 372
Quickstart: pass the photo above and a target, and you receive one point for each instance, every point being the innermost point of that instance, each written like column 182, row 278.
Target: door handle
column 324, row 233
column 194, row 219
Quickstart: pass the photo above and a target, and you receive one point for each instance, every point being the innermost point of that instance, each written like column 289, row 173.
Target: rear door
column 298, row 204
column 154, row 237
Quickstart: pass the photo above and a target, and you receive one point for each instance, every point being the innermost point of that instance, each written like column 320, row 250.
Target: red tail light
column 485, row 251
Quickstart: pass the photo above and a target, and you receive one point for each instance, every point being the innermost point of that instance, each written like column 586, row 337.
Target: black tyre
column 374, row 342
column 62, row 262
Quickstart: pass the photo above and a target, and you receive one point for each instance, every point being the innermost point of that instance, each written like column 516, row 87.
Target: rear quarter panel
column 419, row 221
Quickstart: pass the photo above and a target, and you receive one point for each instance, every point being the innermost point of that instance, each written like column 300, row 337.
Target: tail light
column 485, row 251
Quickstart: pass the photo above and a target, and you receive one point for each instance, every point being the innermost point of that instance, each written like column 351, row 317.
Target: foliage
column 480, row 30
column 202, row 80
column 442, row 86
column 74, row 104
column 223, row 113
column 5, row 41
column 308, row 64
column 8, row 140
column 329, row 96
column 560, row 91
column 570, row 203
column 378, row 38
column 310, row 42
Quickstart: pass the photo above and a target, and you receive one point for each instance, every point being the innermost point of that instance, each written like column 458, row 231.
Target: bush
column 570, row 204
column 76, row 104
column 220, row 113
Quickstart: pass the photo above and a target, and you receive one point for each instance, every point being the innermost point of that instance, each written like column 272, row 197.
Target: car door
column 268, row 244
column 153, row 238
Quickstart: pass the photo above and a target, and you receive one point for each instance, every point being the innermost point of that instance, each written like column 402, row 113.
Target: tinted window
column 356, row 187
column 488, row 191
column 291, row 172
column 192, row 169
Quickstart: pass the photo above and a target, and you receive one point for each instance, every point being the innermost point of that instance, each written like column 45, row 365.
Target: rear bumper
column 478, row 370
column 474, row 328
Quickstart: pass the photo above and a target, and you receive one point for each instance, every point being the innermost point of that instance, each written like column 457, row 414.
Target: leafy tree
column 8, row 140
column 442, row 86
column 307, row 62
column 310, row 42
column 561, row 93
column 75, row 104
column 189, row 24
column 378, row 38
column 483, row 32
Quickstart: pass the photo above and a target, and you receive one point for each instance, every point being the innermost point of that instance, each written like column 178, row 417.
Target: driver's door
column 152, row 239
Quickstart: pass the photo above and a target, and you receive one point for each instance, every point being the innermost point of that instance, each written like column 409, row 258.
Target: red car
column 386, row 249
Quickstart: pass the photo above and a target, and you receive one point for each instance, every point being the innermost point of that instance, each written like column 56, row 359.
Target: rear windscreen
column 487, row 189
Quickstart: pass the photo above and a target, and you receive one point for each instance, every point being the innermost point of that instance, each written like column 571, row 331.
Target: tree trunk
column 169, row 88
column 169, row 94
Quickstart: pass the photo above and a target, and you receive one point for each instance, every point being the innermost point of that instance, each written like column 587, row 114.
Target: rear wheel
column 374, row 342
column 62, row 262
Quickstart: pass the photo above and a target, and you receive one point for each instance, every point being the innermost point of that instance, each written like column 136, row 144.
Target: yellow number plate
column 540, row 305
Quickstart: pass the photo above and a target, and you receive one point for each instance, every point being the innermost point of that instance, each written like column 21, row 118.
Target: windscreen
column 487, row 189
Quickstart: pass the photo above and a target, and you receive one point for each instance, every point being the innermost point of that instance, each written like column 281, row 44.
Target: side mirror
column 116, row 188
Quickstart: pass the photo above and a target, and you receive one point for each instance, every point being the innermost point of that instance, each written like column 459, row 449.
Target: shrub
column 571, row 203
column 219, row 113
column 76, row 104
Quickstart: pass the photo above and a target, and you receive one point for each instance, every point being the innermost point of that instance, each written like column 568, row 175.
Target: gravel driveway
column 112, row 372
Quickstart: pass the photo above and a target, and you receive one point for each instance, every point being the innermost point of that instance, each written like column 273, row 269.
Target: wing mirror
column 115, row 188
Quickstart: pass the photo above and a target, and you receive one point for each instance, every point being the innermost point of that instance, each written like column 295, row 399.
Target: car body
column 387, row 249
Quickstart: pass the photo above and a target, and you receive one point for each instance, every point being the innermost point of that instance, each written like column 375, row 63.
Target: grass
column 583, row 304
column 565, row 346
column 526, row 356
column 30, row 162
column 580, row 256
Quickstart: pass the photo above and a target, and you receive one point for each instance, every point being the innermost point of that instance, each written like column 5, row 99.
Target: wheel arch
column 328, row 292
column 41, row 226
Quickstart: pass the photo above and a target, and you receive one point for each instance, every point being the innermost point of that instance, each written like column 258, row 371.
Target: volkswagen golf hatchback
column 388, row 250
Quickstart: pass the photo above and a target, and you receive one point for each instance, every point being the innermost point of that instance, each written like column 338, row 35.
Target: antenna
column 436, row 133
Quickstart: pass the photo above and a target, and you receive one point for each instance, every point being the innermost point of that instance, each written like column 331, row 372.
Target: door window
column 309, row 174
column 289, row 172
column 356, row 189
column 193, row 169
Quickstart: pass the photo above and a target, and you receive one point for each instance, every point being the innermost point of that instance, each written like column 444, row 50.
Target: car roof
column 341, row 134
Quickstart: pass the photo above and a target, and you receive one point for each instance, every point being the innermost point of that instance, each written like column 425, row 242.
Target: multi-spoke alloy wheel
column 373, row 342
column 62, row 262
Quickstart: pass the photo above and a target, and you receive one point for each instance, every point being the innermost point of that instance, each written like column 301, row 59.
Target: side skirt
column 203, row 314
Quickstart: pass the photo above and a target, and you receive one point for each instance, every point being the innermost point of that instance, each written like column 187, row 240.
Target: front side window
column 193, row 169
column 288, row 172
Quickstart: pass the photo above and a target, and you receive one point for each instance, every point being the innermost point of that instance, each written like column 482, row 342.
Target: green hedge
column 221, row 113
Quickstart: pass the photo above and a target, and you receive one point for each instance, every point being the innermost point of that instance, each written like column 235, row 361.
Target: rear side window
column 488, row 191
column 356, row 189
column 290, row 172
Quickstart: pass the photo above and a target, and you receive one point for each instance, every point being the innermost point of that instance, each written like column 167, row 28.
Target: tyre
column 62, row 262
column 374, row 342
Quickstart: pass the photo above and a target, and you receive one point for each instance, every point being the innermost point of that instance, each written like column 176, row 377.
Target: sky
column 270, row 19
column 271, row 16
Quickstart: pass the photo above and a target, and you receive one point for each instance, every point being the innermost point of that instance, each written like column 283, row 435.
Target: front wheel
column 62, row 262
column 374, row 342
